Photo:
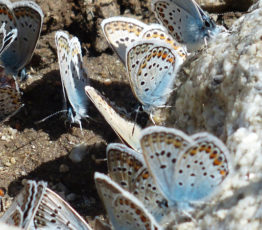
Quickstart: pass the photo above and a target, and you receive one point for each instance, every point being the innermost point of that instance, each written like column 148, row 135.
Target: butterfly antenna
column 137, row 111
column 52, row 115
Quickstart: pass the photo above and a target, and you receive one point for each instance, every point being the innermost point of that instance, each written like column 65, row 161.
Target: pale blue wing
column 120, row 32
column 27, row 17
column 124, row 210
column 200, row 169
column 162, row 148
column 185, row 20
column 152, row 66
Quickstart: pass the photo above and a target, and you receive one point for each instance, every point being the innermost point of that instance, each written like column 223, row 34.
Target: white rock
column 220, row 91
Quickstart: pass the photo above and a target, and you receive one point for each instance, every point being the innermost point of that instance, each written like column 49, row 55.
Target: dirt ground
column 40, row 152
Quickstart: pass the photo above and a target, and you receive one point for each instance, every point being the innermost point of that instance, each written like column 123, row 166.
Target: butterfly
column 38, row 207
column 124, row 210
column 121, row 32
column 152, row 67
column 27, row 18
column 185, row 21
column 186, row 169
column 10, row 98
column 128, row 131
column 73, row 76
column 128, row 169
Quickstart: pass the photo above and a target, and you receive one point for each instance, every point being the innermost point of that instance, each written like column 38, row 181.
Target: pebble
column 13, row 160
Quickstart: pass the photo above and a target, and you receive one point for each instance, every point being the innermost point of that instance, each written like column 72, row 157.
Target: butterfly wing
column 8, row 227
column 159, row 32
column 120, row 32
column 76, row 91
column 7, row 16
column 145, row 189
column 37, row 207
column 63, row 54
column 124, row 165
column 161, row 148
column 6, row 39
column 10, row 98
column 54, row 213
column 185, row 21
column 73, row 75
column 152, row 66
column 124, row 210
column 200, row 169
column 127, row 168
column 28, row 18
column 127, row 131
column 23, row 209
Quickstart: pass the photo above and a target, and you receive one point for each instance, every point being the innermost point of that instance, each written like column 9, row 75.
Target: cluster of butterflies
column 172, row 172
column 165, row 170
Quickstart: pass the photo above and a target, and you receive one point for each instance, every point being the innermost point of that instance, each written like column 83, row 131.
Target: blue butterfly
column 186, row 21
column 73, row 75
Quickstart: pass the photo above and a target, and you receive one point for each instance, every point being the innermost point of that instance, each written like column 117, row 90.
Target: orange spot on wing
column 177, row 143
column 145, row 175
column 171, row 60
column 212, row 155
column 217, row 162
column 193, row 151
column 164, row 55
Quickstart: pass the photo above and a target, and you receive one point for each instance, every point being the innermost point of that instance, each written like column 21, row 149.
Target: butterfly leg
column 23, row 75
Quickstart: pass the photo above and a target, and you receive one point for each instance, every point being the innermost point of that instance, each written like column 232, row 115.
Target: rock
column 12, row 160
column 220, row 90
column 78, row 153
